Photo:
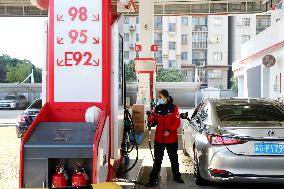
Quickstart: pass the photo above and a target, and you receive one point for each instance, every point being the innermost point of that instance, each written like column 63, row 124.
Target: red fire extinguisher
column 59, row 179
column 80, row 177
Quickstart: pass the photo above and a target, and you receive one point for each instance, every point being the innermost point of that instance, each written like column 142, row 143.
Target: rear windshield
column 250, row 112
column 36, row 104
column 10, row 98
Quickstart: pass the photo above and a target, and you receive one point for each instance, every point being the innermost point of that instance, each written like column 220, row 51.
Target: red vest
column 167, row 119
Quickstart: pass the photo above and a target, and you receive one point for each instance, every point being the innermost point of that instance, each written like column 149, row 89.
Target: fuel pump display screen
column 77, row 50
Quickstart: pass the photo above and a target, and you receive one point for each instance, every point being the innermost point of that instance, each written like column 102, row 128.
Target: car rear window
column 250, row 112
column 10, row 98
column 36, row 104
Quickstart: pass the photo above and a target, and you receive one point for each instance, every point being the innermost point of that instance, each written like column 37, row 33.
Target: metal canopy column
column 146, row 18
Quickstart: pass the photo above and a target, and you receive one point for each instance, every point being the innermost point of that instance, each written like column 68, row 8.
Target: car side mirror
column 184, row 115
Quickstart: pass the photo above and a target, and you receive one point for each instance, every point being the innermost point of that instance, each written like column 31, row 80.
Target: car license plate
column 4, row 105
column 268, row 148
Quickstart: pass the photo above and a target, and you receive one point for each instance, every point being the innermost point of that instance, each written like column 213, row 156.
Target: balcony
column 199, row 62
column 200, row 28
column 260, row 29
column 199, row 45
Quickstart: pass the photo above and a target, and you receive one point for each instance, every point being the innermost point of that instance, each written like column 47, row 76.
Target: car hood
column 7, row 101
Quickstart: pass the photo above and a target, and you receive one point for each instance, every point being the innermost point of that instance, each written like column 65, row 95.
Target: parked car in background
column 14, row 102
column 25, row 119
column 236, row 140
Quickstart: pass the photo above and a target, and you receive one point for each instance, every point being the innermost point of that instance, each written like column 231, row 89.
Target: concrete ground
column 9, row 162
column 186, row 169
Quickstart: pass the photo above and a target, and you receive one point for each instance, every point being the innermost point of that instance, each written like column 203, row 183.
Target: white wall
column 239, row 30
column 214, row 30
column 266, row 39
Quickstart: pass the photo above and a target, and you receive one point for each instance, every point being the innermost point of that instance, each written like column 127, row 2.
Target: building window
column 184, row 56
column 158, row 37
column 126, row 20
column 246, row 21
column 199, row 58
column 217, row 56
column 218, row 21
column 126, row 37
column 172, row 27
column 245, row 38
column 262, row 24
column 126, row 55
column 199, row 40
column 184, row 21
column 172, row 63
column 184, row 73
column 218, row 38
column 172, row 45
column 199, row 23
column 137, row 37
column 158, row 56
column 158, row 22
column 137, row 19
column 183, row 38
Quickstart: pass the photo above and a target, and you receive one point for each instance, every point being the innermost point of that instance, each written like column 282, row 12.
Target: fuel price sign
column 77, row 39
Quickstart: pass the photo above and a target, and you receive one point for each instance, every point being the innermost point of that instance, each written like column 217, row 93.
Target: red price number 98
column 82, row 12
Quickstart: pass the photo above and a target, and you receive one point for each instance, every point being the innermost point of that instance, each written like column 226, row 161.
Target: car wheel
column 197, row 177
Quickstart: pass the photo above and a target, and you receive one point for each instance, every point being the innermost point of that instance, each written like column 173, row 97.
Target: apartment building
column 202, row 47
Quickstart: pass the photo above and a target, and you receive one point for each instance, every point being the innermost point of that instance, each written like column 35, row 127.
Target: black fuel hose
column 132, row 130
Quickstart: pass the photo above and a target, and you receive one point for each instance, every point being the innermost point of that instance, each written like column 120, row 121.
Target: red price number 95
column 74, row 35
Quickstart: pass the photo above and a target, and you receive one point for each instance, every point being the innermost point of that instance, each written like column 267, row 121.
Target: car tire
column 197, row 177
column 17, row 106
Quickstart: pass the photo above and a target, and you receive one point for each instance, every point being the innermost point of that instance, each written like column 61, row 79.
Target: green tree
column 169, row 75
column 130, row 75
column 163, row 75
column 234, row 81
column 15, row 70
column 19, row 72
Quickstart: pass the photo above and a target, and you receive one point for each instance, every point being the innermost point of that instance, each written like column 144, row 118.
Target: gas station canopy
column 162, row 7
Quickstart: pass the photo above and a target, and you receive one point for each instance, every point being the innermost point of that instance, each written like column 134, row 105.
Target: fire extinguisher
column 59, row 179
column 80, row 177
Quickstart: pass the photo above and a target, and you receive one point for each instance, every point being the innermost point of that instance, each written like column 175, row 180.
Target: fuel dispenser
column 61, row 148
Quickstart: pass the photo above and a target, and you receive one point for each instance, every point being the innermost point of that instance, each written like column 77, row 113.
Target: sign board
column 77, row 27
column 138, row 47
column 144, row 65
column 154, row 48
column 268, row 61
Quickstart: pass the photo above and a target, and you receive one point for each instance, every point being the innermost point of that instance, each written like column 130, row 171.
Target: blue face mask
column 160, row 101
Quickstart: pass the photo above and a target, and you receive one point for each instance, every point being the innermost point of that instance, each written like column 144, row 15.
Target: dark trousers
column 159, row 149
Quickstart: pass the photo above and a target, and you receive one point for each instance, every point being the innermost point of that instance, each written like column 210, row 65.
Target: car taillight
column 21, row 119
column 223, row 140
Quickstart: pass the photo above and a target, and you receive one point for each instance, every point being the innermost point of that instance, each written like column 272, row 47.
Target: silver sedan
column 236, row 140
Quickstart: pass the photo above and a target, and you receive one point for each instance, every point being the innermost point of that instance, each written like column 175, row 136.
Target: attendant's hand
column 166, row 133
